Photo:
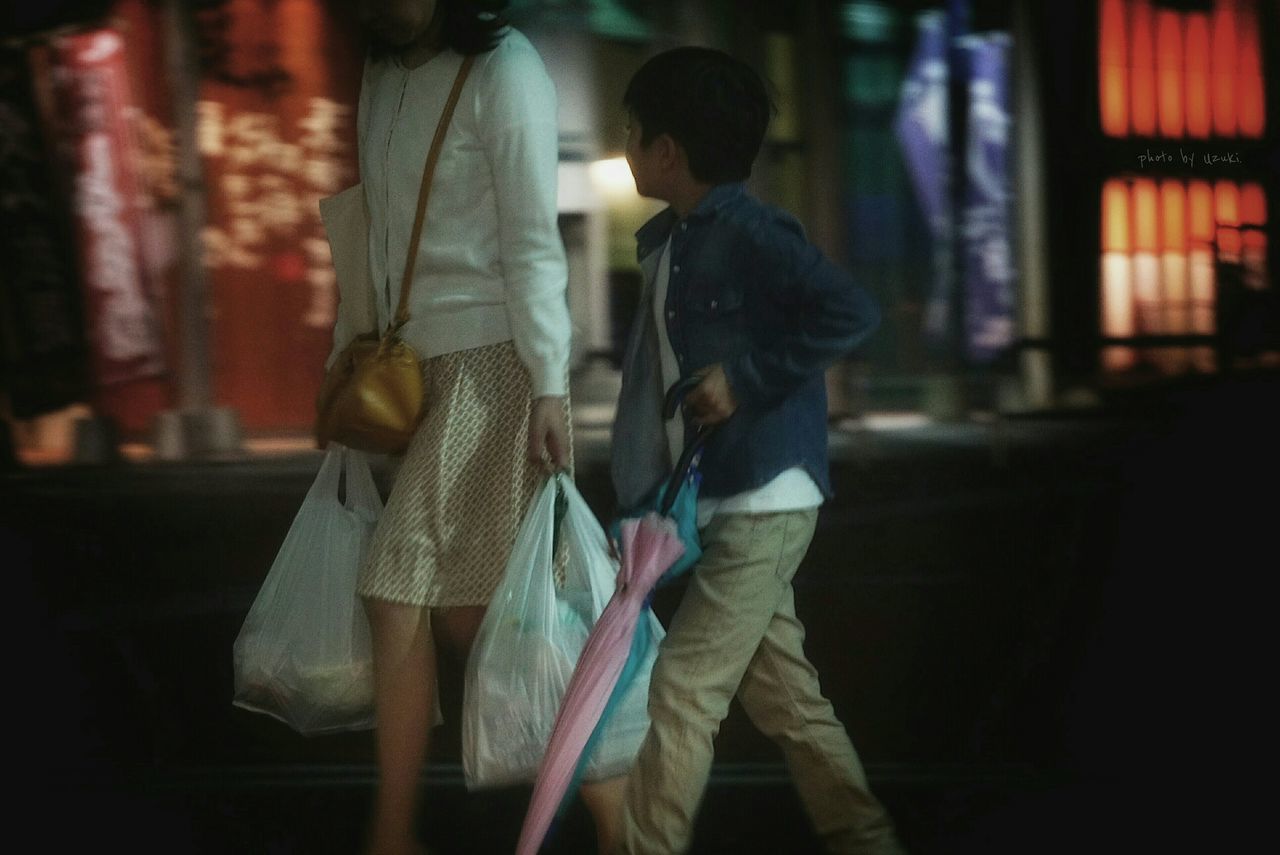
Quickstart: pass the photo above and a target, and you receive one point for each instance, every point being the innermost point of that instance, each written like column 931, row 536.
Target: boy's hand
column 711, row 401
column 548, row 433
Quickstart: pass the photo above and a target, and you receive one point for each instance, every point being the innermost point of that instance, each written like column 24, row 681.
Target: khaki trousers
column 736, row 631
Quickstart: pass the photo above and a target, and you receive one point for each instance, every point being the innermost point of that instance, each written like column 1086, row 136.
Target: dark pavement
column 1044, row 635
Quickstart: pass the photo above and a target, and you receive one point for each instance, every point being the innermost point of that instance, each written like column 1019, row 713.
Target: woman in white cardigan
column 490, row 319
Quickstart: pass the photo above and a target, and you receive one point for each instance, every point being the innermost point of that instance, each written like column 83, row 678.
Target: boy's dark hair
column 713, row 105
column 470, row 27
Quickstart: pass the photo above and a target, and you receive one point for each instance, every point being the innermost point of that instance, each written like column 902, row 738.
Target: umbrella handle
column 676, row 394
column 692, row 453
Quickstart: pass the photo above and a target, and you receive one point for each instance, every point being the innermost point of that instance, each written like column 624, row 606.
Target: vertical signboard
column 989, row 306
column 923, row 130
column 94, row 109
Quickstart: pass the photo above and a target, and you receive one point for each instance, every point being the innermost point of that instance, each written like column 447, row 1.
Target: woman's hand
column 548, row 433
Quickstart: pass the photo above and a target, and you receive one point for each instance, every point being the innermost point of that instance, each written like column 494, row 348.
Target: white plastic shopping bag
column 303, row 655
column 530, row 641
column 592, row 565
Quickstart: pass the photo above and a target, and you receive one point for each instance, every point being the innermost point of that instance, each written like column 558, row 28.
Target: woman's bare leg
column 604, row 800
column 456, row 628
column 404, row 669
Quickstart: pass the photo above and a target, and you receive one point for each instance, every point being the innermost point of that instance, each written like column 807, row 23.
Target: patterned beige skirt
column 463, row 488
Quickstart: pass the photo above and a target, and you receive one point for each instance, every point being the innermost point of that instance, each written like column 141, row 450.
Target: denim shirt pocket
column 717, row 324
column 722, row 304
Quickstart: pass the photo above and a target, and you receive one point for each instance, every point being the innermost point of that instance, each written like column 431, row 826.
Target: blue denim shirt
column 749, row 291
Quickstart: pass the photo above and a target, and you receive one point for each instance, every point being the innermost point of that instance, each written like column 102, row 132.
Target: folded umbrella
column 650, row 545
column 655, row 548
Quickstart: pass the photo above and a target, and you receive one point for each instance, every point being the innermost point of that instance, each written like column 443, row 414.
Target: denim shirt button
column 714, row 303
column 671, row 313
column 675, row 269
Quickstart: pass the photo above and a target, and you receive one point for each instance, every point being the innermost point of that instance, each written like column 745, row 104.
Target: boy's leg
column 733, row 594
column 780, row 693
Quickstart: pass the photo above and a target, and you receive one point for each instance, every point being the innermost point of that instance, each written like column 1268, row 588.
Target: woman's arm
column 521, row 137
column 522, row 143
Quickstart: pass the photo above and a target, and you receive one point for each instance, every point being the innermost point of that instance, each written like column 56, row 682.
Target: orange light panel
column 1113, row 68
column 1251, row 107
column 1200, row 208
column 1115, row 216
column 1142, row 80
column 1225, row 68
column 1199, row 115
column 1146, row 210
column 1227, row 212
column 1169, row 71
column 1173, row 205
column 1253, row 205
column 1253, row 212
column 1226, row 197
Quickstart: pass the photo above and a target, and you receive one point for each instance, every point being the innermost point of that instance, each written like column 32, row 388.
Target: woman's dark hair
column 713, row 105
column 470, row 27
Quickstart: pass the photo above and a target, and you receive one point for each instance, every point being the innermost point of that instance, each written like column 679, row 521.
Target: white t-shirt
column 792, row 490
column 491, row 265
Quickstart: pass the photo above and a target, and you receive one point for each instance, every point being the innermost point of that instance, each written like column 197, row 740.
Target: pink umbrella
column 650, row 546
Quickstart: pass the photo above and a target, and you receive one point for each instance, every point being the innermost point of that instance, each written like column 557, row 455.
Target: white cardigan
column 491, row 265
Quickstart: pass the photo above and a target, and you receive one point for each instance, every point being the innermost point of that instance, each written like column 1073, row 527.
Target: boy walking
column 735, row 295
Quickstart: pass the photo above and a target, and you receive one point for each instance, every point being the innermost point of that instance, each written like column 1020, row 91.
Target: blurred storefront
column 1055, row 203
column 273, row 131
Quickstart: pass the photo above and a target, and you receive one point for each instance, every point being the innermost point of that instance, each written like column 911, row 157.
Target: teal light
column 872, row 79
column 869, row 21
column 604, row 18
column 612, row 21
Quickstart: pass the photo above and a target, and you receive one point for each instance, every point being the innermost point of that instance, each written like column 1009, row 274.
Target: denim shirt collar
column 655, row 232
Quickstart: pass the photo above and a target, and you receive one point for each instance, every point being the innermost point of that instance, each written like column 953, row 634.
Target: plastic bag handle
column 362, row 497
column 561, row 508
column 583, row 530
column 325, row 487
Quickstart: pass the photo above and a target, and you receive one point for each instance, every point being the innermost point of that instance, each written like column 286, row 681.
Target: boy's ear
column 670, row 152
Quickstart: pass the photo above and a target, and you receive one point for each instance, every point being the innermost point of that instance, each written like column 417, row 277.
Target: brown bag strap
column 437, row 142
